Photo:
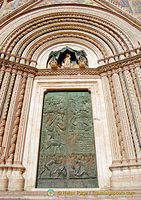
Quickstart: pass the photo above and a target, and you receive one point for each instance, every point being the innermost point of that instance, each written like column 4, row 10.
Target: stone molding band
column 128, row 63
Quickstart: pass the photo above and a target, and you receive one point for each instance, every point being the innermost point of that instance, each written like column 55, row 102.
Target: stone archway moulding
column 106, row 35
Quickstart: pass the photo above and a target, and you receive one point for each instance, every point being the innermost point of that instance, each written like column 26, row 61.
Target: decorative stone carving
column 67, row 61
column 17, row 120
column 4, row 88
column 53, row 64
column 5, row 109
column 67, row 58
column 3, row 179
column 115, row 146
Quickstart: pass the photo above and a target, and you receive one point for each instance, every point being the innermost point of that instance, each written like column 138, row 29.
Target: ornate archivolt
column 95, row 27
column 41, row 54
column 97, row 32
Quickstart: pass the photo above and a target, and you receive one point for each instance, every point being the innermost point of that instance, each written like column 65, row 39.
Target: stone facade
column 114, row 84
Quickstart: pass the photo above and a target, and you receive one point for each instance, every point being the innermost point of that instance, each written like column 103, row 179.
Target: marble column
column 2, row 71
column 10, row 116
column 5, row 142
column 114, row 140
column 129, row 113
column 117, row 119
column 4, row 88
column 138, row 73
column 16, row 181
column 136, row 86
column 17, row 116
column 134, row 105
column 124, row 123
column 5, row 109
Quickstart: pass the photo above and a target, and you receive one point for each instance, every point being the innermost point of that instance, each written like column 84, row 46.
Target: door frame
column 102, row 142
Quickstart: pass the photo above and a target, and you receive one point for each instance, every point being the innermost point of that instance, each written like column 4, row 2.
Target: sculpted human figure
column 67, row 61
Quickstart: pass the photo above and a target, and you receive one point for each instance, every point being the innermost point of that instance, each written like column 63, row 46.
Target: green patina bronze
column 67, row 157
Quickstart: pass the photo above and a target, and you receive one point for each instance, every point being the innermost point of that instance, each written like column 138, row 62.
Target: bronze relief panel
column 67, row 157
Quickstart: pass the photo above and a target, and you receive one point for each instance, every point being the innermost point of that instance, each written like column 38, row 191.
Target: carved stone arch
column 28, row 27
column 60, row 41
column 105, row 51
column 128, row 36
column 109, row 40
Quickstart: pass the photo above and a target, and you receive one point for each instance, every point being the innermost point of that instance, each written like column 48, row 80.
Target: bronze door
column 67, row 157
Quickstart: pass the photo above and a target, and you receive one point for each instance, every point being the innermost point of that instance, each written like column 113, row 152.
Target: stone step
column 42, row 195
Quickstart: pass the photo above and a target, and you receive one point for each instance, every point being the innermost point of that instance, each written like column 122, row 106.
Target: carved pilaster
column 2, row 70
column 138, row 73
column 10, row 117
column 130, row 116
column 119, row 132
column 4, row 88
column 23, row 121
column 138, row 77
column 115, row 148
column 17, row 120
column 136, row 87
column 17, row 176
column 123, row 119
column 5, row 109
column 134, row 104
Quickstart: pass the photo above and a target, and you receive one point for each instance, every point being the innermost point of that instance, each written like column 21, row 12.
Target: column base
column 16, row 180
column 3, row 179
column 127, row 176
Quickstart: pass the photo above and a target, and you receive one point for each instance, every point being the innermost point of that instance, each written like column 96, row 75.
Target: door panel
column 67, row 156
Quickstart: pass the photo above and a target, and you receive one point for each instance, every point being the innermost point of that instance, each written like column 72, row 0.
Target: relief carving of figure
column 54, row 169
column 67, row 58
column 79, row 168
column 56, row 144
column 67, row 61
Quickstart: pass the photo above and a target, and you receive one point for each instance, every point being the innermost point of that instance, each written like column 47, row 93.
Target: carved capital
column 126, row 68
column 120, row 70
column 25, row 74
column 114, row 71
column 8, row 70
column 31, row 75
column 109, row 73
column 137, row 64
column 19, row 73
column 131, row 66
column 103, row 74
column 2, row 68
column 14, row 71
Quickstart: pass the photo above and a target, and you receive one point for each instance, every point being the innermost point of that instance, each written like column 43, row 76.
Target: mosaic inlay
column 130, row 6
